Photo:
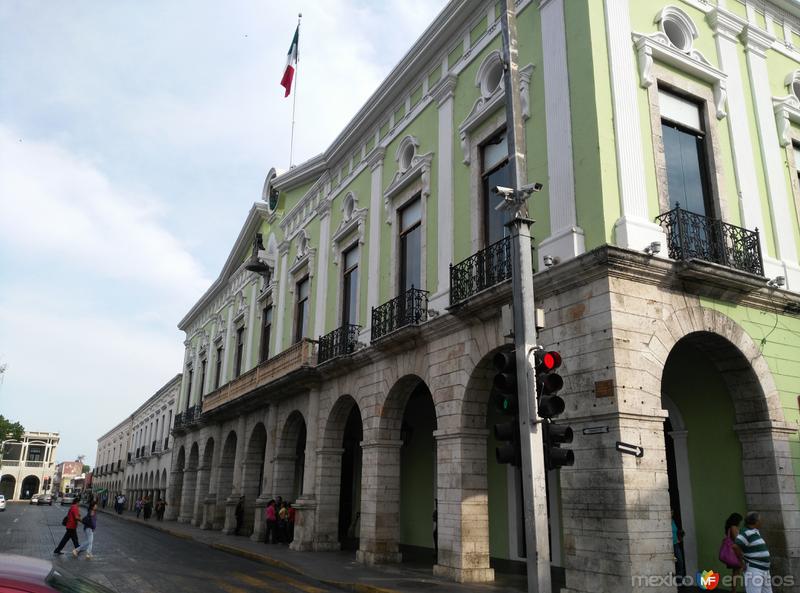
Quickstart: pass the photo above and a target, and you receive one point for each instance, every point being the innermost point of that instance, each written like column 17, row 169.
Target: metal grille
column 484, row 269
column 694, row 236
column 339, row 342
column 410, row 308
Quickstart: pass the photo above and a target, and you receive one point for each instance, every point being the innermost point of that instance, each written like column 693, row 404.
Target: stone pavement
column 338, row 569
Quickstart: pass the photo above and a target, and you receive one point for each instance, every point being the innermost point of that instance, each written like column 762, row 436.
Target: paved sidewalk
column 333, row 568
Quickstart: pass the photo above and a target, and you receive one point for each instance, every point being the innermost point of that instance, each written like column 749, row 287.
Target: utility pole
column 533, row 471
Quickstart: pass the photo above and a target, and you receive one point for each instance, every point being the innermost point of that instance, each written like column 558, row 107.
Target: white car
column 2, row 502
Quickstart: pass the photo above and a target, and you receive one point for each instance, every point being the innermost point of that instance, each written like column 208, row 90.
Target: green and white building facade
column 352, row 374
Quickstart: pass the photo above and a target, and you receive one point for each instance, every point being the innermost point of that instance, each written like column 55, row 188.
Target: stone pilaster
column 174, row 500
column 203, row 474
column 463, row 497
column 380, row 502
column 186, row 512
column 209, row 509
column 259, row 520
column 304, row 524
column 329, row 476
column 771, row 489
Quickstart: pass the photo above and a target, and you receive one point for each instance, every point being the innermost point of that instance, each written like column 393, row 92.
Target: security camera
column 506, row 192
column 549, row 260
column 531, row 187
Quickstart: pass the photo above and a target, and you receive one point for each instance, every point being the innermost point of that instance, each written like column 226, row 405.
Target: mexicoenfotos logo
column 707, row 580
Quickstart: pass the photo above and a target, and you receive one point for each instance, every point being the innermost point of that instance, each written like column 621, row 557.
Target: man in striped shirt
column 756, row 555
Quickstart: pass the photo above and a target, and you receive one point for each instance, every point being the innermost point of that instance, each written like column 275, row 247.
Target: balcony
column 484, row 269
column 166, row 443
column 340, row 342
column 693, row 236
column 155, row 448
column 294, row 358
column 178, row 424
column 410, row 308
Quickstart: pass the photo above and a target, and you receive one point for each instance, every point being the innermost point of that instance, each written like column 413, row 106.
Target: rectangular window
column 189, row 389
column 350, row 287
column 411, row 245
column 218, row 370
column 495, row 170
column 685, row 154
column 239, row 351
column 266, row 332
column 203, row 366
column 796, row 148
column 301, row 313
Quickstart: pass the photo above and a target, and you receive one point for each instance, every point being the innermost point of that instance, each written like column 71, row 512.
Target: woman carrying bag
column 89, row 525
column 729, row 554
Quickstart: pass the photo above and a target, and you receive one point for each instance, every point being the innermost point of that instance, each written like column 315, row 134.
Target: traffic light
column 550, row 405
column 506, row 396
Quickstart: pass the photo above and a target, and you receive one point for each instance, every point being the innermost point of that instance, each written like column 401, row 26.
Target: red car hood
column 24, row 568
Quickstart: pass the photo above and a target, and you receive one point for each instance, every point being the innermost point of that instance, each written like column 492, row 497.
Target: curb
column 261, row 558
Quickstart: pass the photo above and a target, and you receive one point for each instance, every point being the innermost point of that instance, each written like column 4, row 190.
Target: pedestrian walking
column 729, row 554
column 70, row 522
column 292, row 515
column 161, row 506
column 756, row 555
column 89, row 526
column 105, row 499
column 272, row 523
column 677, row 548
column 148, row 507
column 283, row 521
column 138, row 506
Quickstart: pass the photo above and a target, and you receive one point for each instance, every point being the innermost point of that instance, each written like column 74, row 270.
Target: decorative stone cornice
column 420, row 168
column 756, row 40
column 726, row 24
column 656, row 46
column 375, row 157
column 444, row 89
column 787, row 110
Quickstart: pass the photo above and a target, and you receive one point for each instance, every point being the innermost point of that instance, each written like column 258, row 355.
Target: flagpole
column 294, row 99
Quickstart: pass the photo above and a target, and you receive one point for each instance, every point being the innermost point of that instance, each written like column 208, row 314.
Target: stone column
column 175, row 495
column 380, row 502
column 236, row 489
column 188, row 495
column 203, row 474
column 259, row 525
column 306, row 505
column 210, row 502
column 329, row 476
column 463, row 500
column 616, row 513
column 771, row 489
column 209, row 507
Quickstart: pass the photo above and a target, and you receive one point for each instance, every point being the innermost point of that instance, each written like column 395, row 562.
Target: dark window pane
column 494, row 219
column 683, row 152
column 350, row 292
column 411, row 247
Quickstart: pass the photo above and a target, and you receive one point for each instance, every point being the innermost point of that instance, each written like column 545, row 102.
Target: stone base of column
column 229, row 528
column 209, row 506
column 184, row 519
column 259, row 521
column 637, row 233
column 564, row 244
column 171, row 514
column 304, row 525
column 369, row 557
column 327, row 547
column 464, row 575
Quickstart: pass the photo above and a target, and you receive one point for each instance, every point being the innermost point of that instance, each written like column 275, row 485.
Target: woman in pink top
column 272, row 523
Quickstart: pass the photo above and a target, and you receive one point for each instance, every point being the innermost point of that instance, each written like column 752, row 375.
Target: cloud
column 58, row 206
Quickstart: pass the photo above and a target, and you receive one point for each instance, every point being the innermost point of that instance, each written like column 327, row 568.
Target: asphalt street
column 131, row 558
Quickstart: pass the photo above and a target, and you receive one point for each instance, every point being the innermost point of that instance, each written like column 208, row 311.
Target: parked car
column 34, row 499
column 45, row 499
column 2, row 502
column 32, row 575
column 67, row 499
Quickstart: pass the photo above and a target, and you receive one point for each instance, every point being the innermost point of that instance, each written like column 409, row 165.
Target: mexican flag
column 291, row 60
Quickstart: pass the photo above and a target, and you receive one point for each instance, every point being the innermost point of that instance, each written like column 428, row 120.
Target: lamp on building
column 256, row 263
column 653, row 248
column 777, row 281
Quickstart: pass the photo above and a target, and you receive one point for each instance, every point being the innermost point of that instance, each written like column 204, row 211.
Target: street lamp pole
column 533, row 471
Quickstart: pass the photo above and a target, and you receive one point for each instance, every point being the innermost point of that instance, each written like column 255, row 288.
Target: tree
column 10, row 430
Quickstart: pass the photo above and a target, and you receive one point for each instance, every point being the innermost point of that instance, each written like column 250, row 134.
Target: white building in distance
column 27, row 465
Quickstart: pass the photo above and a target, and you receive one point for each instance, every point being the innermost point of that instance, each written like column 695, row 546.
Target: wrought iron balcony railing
column 178, row 424
column 192, row 415
column 410, row 308
column 694, row 236
column 484, row 269
column 339, row 342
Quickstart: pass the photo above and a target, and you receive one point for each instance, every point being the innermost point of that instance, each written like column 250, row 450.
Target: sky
column 135, row 136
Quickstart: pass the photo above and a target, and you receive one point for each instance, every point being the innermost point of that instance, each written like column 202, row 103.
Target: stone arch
column 7, row 485
column 743, row 368
column 29, row 487
column 290, row 458
column 253, row 475
column 757, row 416
column 339, row 465
column 391, row 418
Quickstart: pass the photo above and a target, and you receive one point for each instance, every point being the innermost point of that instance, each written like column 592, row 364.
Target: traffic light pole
column 533, row 471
